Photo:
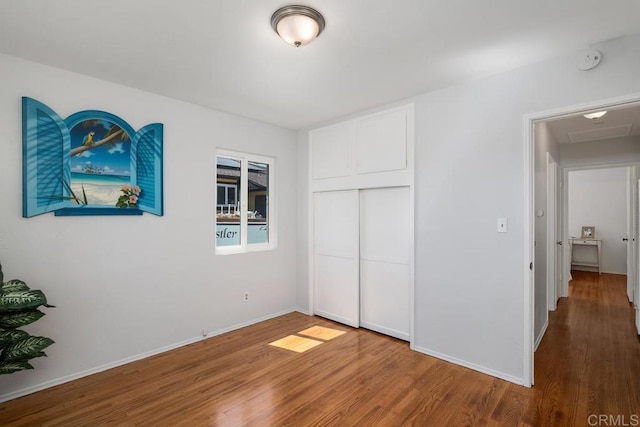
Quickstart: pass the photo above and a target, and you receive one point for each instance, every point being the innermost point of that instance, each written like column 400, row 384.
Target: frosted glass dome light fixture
column 297, row 25
column 596, row 115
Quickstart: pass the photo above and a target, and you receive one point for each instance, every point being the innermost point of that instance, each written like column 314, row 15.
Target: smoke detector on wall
column 588, row 60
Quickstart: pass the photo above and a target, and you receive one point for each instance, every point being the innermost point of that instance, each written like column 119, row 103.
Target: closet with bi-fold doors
column 361, row 256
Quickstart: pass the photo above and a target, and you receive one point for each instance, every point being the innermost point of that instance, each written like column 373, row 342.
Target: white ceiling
column 224, row 54
column 618, row 122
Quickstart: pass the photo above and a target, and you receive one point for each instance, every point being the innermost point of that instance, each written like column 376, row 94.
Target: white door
column 632, row 203
column 552, row 236
column 558, row 242
column 385, row 259
column 335, row 256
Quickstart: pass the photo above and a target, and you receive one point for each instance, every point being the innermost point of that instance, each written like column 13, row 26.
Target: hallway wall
column 598, row 197
column 602, row 152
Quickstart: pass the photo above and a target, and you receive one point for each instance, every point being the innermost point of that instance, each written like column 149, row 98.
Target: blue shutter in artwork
column 45, row 163
column 146, row 167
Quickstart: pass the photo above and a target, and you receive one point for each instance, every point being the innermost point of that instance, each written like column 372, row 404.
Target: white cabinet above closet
column 381, row 143
column 331, row 152
column 371, row 151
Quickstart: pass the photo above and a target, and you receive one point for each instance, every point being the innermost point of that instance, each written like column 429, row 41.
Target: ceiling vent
column 602, row 133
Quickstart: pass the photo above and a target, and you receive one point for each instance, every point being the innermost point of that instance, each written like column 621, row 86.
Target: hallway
column 589, row 360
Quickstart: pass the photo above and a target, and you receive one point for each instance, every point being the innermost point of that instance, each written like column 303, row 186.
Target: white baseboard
column 305, row 312
column 249, row 323
column 470, row 365
column 386, row 331
column 107, row 366
column 540, row 335
column 337, row 318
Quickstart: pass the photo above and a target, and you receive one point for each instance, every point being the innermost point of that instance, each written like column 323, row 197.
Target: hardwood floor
column 589, row 360
column 588, row 363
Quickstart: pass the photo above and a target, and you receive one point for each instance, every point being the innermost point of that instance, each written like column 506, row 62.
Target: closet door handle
column 624, row 239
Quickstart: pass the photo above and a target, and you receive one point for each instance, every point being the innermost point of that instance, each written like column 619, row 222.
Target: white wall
column 598, row 197
column 124, row 286
column 302, row 273
column 633, row 288
column 607, row 152
column 544, row 143
column 469, row 172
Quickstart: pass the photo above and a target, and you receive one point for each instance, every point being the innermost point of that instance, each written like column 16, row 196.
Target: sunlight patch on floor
column 295, row 343
column 322, row 333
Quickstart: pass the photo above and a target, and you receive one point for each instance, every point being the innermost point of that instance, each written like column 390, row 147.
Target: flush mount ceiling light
column 596, row 115
column 297, row 25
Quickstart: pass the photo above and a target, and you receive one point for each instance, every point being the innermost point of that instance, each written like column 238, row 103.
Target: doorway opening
column 557, row 141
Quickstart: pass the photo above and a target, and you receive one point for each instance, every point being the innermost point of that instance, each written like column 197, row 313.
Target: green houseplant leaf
column 14, row 286
column 11, row 367
column 11, row 335
column 15, row 319
column 19, row 307
column 26, row 349
column 20, row 300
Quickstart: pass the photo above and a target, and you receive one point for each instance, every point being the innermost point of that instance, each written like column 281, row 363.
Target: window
column 227, row 196
column 244, row 208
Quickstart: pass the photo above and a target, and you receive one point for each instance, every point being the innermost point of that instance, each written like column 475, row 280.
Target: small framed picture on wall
column 588, row 232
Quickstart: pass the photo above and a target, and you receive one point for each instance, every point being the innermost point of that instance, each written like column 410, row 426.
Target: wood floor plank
column 588, row 363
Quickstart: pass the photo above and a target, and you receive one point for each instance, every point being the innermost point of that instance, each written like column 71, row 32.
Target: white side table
column 594, row 243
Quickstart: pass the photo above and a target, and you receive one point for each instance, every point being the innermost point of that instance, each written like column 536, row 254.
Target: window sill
column 256, row 247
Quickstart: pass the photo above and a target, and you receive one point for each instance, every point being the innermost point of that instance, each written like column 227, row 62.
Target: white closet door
column 335, row 258
column 385, row 260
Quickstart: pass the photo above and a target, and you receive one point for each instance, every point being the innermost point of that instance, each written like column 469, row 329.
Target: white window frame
column 226, row 193
column 244, row 247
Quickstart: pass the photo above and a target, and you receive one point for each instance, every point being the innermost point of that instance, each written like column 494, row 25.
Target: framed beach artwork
column 91, row 163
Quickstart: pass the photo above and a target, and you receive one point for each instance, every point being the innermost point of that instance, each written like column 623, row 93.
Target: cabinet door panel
column 385, row 298
column 385, row 261
column 331, row 152
column 381, row 143
column 335, row 260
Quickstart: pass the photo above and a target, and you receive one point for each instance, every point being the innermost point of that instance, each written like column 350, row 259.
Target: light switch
column 502, row 225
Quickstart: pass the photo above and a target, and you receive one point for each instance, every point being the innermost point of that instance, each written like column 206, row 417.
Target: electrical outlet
column 246, row 296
